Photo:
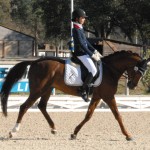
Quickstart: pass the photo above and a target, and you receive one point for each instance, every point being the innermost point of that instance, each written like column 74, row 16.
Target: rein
column 125, row 74
column 114, row 69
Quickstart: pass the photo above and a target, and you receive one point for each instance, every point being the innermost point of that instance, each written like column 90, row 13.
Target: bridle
column 138, row 68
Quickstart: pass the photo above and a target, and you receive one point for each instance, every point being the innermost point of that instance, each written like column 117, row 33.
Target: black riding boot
column 85, row 87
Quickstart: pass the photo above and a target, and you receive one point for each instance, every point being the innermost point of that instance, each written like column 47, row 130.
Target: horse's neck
column 120, row 61
column 117, row 67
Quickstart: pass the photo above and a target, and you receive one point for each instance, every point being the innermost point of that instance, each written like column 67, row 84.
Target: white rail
column 76, row 104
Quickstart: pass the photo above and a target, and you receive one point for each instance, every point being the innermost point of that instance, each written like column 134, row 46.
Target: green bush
column 146, row 80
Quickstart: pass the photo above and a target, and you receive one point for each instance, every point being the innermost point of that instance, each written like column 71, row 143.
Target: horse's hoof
column 129, row 139
column 11, row 134
column 73, row 136
column 53, row 131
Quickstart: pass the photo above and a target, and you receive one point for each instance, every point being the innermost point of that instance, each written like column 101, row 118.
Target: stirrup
column 84, row 95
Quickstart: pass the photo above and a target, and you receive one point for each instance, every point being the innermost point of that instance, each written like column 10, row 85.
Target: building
column 14, row 43
column 108, row 46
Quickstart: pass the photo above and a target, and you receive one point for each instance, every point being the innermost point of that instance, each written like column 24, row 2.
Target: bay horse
column 47, row 73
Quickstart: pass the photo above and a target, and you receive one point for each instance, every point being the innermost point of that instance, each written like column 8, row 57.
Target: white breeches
column 88, row 63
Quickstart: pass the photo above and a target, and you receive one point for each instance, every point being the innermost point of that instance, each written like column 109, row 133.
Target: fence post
column 126, row 87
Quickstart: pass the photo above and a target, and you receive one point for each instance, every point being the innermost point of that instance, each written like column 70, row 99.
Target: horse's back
column 45, row 68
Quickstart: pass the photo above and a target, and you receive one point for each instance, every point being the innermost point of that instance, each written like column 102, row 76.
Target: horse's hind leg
column 23, row 109
column 42, row 106
column 113, row 106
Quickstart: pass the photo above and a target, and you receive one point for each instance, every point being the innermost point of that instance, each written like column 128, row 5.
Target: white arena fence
column 67, row 103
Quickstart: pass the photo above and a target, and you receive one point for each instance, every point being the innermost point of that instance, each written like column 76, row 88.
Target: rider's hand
column 96, row 57
column 97, row 53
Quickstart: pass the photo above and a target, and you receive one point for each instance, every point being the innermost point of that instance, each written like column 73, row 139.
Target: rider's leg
column 83, row 91
column 89, row 64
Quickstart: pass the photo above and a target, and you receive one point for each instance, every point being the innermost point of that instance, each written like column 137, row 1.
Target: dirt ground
column 102, row 132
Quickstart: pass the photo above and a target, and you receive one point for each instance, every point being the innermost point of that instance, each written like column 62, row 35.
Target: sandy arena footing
column 102, row 132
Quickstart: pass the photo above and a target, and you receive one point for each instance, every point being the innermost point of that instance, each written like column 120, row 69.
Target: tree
column 99, row 12
column 57, row 18
column 121, row 18
column 57, row 21
column 27, row 14
column 106, row 16
column 141, row 18
column 4, row 11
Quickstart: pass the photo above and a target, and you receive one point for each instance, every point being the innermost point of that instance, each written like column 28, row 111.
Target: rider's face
column 81, row 20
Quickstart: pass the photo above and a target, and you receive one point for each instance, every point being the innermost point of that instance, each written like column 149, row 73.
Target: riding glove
column 97, row 53
column 96, row 57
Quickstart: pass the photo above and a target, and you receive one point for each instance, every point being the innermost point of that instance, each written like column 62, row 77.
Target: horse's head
column 129, row 62
column 136, row 72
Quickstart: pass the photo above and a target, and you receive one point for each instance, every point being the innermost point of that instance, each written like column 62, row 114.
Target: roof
column 10, row 34
column 96, row 40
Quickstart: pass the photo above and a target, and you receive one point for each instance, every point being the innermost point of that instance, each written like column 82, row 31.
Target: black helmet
column 78, row 13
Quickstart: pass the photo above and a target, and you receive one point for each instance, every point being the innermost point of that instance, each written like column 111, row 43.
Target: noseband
column 141, row 67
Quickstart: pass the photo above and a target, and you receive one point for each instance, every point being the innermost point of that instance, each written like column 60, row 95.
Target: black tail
column 12, row 77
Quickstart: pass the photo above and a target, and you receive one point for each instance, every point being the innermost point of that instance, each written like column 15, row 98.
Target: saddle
column 76, row 73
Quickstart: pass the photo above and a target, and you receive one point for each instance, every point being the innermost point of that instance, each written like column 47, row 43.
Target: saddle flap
column 72, row 75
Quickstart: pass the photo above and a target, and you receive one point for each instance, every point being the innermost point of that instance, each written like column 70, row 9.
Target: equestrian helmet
column 78, row 13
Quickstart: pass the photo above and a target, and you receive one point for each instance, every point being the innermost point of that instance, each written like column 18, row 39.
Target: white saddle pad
column 72, row 74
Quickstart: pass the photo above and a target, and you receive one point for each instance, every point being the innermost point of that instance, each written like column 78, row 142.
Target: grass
column 140, row 89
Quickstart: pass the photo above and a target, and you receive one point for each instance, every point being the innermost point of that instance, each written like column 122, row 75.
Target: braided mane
column 119, row 54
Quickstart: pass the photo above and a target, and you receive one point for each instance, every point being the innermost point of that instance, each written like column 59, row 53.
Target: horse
column 48, row 73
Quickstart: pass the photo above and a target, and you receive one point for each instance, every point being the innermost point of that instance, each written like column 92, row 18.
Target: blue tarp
column 20, row 86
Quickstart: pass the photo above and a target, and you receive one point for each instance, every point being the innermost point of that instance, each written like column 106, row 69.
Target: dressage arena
column 102, row 132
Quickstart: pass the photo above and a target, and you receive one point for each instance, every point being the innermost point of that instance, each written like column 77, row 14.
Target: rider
column 83, row 50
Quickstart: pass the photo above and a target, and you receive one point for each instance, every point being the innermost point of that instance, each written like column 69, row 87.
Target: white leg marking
column 16, row 128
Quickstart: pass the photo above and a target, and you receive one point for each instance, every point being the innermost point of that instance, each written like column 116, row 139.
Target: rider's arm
column 78, row 38
column 90, row 46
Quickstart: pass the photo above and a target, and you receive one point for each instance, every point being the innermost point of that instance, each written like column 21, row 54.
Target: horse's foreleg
column 23, row 108
column 113, row 106
column 42, row 106
column 88, row 115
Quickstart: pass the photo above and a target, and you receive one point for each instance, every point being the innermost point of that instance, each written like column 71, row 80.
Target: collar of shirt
column 77, row 25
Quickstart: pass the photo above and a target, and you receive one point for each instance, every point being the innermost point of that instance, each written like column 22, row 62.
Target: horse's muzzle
column 131, row 85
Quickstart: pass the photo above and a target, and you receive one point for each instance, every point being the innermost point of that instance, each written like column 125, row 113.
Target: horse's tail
column 12, row 77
